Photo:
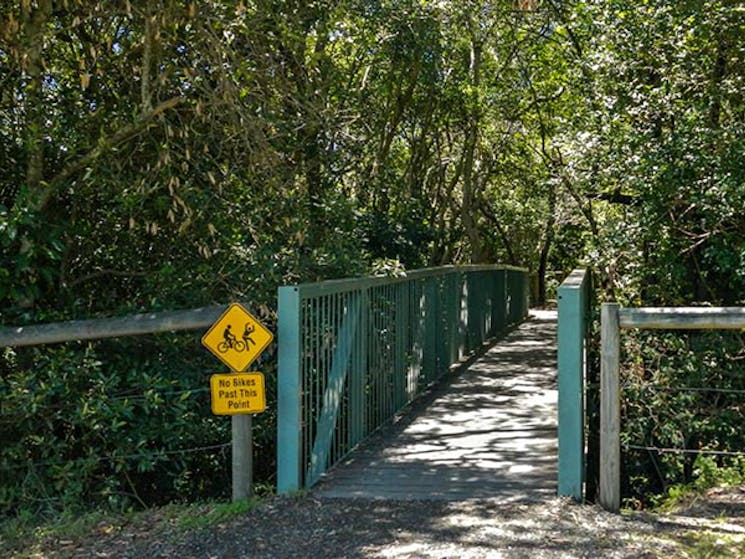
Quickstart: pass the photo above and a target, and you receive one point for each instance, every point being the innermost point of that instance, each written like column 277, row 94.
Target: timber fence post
column 610, row 413
column 242, row 457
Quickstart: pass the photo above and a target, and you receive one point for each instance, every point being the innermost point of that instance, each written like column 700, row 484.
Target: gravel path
column 310, row 527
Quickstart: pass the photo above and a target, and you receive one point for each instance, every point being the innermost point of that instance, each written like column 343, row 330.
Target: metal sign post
column 237, row 338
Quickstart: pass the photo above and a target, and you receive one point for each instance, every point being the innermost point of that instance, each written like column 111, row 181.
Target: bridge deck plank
column 490, row 432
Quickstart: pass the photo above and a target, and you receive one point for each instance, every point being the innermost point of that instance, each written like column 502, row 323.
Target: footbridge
column 438, row 384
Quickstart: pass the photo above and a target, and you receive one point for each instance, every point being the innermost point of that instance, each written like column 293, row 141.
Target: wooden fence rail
column 99, row 328
column 614, row 318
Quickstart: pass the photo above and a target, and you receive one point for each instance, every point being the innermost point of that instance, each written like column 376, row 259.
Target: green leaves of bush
column 85, row 423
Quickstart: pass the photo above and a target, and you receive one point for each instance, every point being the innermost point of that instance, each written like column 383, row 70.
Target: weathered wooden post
column 242, row 457
column 610, row 414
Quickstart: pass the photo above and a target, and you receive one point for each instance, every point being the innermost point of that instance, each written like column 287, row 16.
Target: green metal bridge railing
column 353, row 352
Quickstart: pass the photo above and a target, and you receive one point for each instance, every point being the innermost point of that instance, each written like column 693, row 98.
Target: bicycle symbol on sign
column 231, row 342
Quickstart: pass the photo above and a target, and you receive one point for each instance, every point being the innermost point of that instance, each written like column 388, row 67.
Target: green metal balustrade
column 354, row 352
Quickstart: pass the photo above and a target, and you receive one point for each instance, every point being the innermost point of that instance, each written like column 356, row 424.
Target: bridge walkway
column 489, row 431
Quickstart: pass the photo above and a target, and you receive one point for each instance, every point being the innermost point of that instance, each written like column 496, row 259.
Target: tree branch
column 145, row 93
column 487, row 212
column 615, row 197
column 32, row 64
column 105, row 144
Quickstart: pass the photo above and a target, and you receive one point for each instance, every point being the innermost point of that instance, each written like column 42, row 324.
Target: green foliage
column 80, row 429
column 33, row 536
column 709, row 473
column 653, row 173
column 668, row 124
column 210, row 514
column 29, row 258
column 681, row 392
column 21, row 537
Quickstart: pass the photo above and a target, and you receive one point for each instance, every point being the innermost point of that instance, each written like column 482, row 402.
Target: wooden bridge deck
column 488, row 433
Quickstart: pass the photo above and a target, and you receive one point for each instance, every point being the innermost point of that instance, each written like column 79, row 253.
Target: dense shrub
column 682, row 390
column 118, row 423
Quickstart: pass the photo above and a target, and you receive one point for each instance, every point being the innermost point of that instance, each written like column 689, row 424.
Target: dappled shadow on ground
column 332, row 528
column 319, row 528
column 719, row 502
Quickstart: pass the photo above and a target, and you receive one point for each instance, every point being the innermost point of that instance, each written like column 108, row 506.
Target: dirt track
column 309, row 527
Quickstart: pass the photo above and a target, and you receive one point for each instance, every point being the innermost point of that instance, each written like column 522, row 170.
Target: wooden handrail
column 683, row 318
column 93, row 329
column 614, row 318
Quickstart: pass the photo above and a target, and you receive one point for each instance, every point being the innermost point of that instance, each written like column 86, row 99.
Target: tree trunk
column 718, row 75
column 468, row 214
column 548, row 239
column 34, row 25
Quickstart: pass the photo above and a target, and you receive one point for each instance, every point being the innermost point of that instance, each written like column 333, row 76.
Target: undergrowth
column 27, row 536
column 709, row 472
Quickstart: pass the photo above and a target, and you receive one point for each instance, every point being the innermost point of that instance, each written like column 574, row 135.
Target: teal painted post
column 522, row 293
column 500, row 300
column 572, row 302
column 289, row 392
column 401, row 329
column 358, row 378
column 429, row 356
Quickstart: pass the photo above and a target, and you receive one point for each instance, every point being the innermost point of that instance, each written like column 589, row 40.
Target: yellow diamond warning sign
column 237, row 393
column 237, row 338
